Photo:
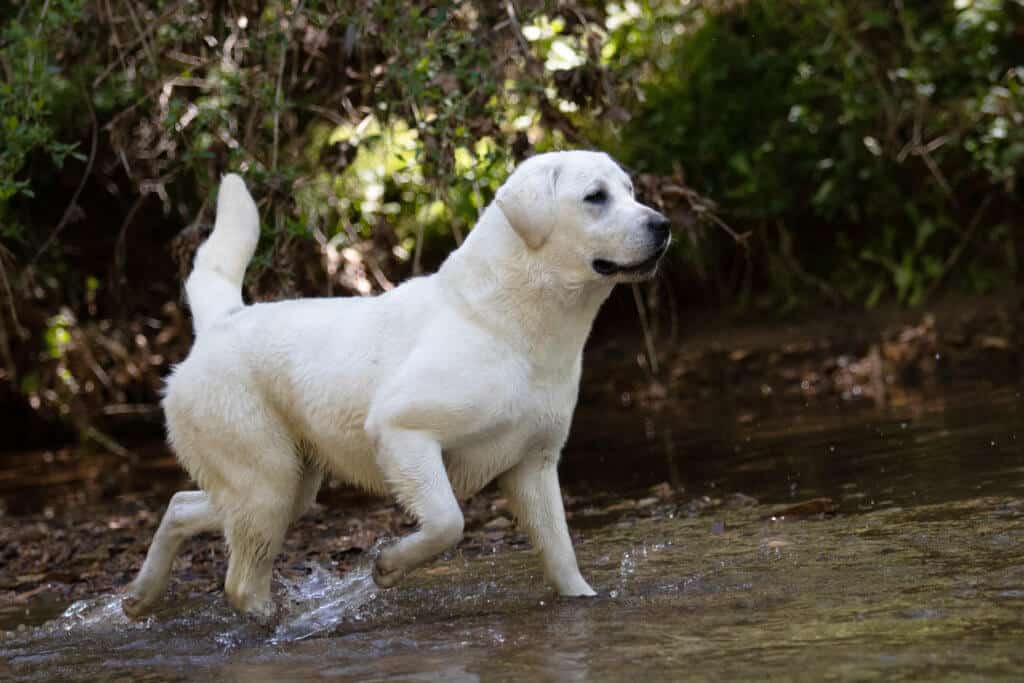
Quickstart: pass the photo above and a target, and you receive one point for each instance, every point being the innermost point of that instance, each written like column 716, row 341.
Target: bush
column 872, row 148
column 870, row 151
column 33, row 91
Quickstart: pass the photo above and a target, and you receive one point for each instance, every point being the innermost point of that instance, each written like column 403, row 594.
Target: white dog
column 427, row 392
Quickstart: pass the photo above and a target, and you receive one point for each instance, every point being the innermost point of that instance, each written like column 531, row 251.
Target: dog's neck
column 493, row 279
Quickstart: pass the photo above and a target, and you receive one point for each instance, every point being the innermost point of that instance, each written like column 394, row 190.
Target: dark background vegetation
column 813, row 154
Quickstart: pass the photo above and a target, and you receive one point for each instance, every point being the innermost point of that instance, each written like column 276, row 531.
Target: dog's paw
column 138, row 599
column 263, row 613
column 576, row 587
column 134, row 606
column 384, row 577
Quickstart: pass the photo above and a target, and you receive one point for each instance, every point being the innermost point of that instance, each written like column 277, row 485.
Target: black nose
column 659, row 226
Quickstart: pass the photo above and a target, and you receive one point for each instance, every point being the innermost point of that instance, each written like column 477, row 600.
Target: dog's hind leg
column 256, row 522
column 254, row 538
column 189, row 513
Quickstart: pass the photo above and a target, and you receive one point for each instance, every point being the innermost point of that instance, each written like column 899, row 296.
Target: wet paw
column 134, row 606
column 386, row 578
column 260, row 610
column 138, row 598
column 263, row 613
column 576, row 588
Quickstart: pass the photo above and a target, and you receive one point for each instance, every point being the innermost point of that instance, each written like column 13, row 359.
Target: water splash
column 313, row 604
column 102, row 613
column 322, row 600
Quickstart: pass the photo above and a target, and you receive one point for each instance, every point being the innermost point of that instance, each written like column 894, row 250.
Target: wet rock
column 663, row 491
column 815, row 507
column 738, row 501
column 621, row 506
column 696, row 505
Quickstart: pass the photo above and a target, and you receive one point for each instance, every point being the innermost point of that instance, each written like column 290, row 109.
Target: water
column 919, row 574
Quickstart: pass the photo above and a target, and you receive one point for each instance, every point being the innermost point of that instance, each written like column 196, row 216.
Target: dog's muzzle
column 659, row 228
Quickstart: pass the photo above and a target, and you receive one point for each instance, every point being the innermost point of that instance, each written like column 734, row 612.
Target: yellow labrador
column 427, row 392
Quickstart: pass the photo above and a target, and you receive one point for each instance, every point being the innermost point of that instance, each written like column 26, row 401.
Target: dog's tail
column 214, row 288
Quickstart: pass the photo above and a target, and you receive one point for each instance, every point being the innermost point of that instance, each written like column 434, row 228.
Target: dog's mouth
column 609, row 268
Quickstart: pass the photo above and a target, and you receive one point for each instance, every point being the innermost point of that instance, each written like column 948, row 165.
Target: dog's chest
column 535, row 424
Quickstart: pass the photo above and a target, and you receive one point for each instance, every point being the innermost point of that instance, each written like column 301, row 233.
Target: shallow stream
column 918, row 572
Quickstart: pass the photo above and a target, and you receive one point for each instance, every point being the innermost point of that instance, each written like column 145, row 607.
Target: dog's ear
column 527, row 200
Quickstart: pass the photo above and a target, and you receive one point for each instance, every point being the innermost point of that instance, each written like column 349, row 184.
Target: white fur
column 427, row 392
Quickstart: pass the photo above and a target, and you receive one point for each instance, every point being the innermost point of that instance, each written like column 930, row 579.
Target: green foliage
column 869, row 150
column 872, row 149
column 388, row 120
column 33, row 84
column 871, row 133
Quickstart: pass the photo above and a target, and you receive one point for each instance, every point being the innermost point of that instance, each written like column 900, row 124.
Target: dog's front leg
column 412, row 465
column 536, row 500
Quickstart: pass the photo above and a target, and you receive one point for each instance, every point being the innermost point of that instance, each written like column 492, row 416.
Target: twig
column 922, row 151
column 332, row 116
column 673, row 308
column 148, row 410
column 277, row 91
column 517, row 28
column 417, row 266
column 786, row 249
column 739, row 238
column 951, row 260
column 371, row 260
column 8, row 291
column 90, row 433
column 700, row 207
column 277, row 106
column 652, row 358
column 119, row 247
column 82, row 342
column 81, row 185
column 5, row 346
column 142, row 36
column 153, row 26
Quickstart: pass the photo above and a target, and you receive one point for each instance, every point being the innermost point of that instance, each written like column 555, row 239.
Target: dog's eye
column 596, row 197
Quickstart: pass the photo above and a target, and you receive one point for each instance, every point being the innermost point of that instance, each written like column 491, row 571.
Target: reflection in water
column 939, row 448
column 920, row 574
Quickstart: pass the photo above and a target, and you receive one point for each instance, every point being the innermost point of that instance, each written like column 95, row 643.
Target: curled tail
column 214, row 288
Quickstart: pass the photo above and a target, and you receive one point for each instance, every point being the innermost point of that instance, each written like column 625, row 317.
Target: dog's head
column 576, row 213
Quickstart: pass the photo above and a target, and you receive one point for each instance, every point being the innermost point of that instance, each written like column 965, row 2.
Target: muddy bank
column 886, row 357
